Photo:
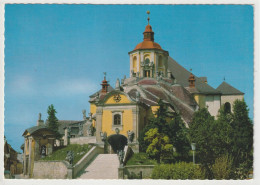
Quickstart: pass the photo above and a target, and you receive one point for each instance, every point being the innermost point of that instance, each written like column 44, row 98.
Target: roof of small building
column 33, row 129
column 227, row 89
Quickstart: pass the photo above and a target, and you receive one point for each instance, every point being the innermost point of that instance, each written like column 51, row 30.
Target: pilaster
column 99, row 114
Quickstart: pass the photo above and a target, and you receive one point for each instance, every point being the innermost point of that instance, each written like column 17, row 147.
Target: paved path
column 105, row 166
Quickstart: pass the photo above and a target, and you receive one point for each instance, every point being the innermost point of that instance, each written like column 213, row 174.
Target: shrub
column 222, row 167
column 140, row 159
column 179, row 170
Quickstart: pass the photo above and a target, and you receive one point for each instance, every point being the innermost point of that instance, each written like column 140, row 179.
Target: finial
column 224, row 78
column 105, row 74
column 148, row 12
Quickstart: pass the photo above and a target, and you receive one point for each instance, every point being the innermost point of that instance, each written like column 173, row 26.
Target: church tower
column 148, row 59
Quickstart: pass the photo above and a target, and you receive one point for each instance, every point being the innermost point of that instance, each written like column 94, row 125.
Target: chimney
column 40, row 122
column 191, row 81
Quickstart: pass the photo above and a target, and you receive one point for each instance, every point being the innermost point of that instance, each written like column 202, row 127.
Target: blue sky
column 56, row 54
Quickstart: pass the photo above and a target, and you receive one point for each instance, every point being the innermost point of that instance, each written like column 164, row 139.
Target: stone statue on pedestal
column 70, row 157
column 130, row 136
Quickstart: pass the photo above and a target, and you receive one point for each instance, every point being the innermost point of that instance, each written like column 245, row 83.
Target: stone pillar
column 66, row 137
column 131, row 64
column 121, row 173
column 24, row 157
column 135, row 112
column 138, row 63
column 70, row 172
column 30, row 165
column 99, row 114
column 37, row 149
column 50, row 146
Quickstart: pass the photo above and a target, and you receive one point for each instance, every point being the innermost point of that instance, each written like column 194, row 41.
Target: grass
column 140, row 159
column 61, row 154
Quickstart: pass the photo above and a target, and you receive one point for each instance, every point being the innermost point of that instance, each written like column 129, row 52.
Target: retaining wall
column 49, row 170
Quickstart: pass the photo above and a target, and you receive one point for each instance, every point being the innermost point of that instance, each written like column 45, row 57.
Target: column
column 30, row 157
column 131, row 64
column 135, row 112
column 24, row 156
column 37, row 149
column 99, row 114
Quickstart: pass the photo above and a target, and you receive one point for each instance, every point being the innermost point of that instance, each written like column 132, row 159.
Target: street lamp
column 193, row 148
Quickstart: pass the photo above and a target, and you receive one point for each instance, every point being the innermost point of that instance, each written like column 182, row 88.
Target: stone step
column 105, row 166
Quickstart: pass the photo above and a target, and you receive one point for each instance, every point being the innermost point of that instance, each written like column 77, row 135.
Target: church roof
column 152, row 90
column 227, row 89
column 182, row 75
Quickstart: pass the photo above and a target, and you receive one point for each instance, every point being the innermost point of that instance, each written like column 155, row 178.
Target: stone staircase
column 104, row 166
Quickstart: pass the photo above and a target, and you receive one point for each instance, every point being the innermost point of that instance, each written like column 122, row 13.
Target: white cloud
column 25, row 85
column 22, row 84
column 75, row 87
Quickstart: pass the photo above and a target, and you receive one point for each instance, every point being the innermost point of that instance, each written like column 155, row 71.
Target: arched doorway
column 117, row 142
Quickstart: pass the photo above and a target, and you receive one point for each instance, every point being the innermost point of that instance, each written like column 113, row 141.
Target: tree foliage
column 159, row 144
column 169, row 124
column 53, row 120
column 242, row 143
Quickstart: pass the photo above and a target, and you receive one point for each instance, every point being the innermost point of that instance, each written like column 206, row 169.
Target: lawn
column 59, row 155
column 140, row 159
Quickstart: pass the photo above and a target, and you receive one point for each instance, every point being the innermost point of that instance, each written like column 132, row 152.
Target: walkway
column 105, row 166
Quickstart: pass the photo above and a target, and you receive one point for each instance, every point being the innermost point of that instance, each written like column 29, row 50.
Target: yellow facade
column 200, row 99
column 107, row 122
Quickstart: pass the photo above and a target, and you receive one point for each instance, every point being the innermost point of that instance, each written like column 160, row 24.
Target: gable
column 117, row 98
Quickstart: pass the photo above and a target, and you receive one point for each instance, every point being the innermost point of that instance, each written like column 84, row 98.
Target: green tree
column 53, row 121
column 242, row 143
column 169, row 124
column 200, row 133
column 159, row 145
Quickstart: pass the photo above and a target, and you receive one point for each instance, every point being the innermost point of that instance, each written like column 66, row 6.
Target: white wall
column 213, row 104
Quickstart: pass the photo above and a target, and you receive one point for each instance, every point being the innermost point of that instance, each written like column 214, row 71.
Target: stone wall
column 137, row 172
column 49, row 170
column 83, row 140
column 86, row 159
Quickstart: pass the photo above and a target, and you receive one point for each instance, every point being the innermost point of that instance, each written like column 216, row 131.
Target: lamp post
column 193, row 148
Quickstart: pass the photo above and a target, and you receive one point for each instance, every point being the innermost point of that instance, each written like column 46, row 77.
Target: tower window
column 160, row 63
column 134, row 63
column 227, row 107
column 117, row 119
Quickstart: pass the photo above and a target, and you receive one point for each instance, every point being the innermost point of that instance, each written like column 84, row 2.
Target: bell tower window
column 117, row 119
column 135, row 64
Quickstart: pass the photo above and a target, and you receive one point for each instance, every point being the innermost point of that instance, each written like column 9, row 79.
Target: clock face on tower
column 117, row 97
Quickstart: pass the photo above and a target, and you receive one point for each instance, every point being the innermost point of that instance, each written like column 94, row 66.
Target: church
column 125, row 109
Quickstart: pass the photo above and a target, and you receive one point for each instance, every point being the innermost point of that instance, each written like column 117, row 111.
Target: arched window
column 117, row 119
column 134, row 63
column 160, row 62
column 227, row 107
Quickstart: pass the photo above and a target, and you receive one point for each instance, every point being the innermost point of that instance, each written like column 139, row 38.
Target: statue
column 80, row 129
column 43, row 151
column 130, row 135
column 70, row 157
column 117, row 85
column 69, row 130
column 84, row 114
column 103, row 136
column 117, row 130
column 90, row 130
column 121, row 155
column 40, row 116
